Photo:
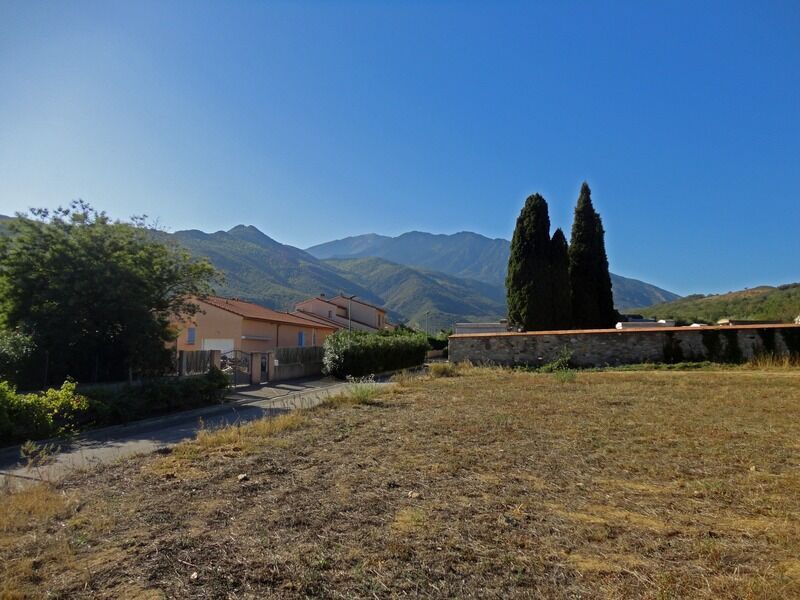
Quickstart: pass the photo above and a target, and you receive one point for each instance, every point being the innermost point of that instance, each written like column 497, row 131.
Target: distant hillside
column 632, row 292
column 468, row 255
column 259, row 269
column 414, row 292
column 262, row 270
column 761, row 303
column 462, row 254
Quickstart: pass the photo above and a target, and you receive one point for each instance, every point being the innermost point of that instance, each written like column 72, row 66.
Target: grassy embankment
column 477, row 482
column 761, row 303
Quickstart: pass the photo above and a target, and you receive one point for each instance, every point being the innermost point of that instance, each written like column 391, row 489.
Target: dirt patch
column 488, row 483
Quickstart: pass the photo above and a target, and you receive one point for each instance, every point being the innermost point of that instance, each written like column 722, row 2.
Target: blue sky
column 315, row 121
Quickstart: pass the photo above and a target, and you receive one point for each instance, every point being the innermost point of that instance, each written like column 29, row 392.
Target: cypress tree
column 559, row 278
column 592, row 300
column 528, row 281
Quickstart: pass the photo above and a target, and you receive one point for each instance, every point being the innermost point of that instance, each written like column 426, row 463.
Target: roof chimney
column 322, row 295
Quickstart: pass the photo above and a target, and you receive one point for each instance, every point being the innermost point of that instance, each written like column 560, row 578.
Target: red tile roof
column 248, row 310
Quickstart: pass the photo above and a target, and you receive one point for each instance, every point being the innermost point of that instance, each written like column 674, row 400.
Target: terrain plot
column 654, row 484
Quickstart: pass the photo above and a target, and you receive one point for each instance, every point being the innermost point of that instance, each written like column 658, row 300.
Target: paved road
column 111, row 443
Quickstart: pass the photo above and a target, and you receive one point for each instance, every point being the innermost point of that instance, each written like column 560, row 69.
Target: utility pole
column 349, row 310
column 426, row 321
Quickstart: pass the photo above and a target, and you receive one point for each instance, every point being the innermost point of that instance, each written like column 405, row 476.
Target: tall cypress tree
column 592, row 301
column 559, row 279
column 528, row 281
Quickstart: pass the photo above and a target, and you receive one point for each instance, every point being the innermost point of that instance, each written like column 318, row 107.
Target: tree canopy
column 590, row 280
column 528, row 283
column 559, row 279
column 96, row 295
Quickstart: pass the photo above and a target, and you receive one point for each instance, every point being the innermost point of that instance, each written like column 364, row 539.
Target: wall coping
column 566, row 332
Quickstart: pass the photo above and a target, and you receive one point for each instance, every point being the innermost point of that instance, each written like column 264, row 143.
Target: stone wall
column 602, row 347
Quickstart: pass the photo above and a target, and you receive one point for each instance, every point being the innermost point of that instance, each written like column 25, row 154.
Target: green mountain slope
column 420, row 295
column 468, row 255
column 630, row 293
column 762, row 303
column 463, row 254
column 259, row 269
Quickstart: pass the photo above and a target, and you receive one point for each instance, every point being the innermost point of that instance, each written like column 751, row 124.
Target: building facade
column 343, row 312
column 228, row 324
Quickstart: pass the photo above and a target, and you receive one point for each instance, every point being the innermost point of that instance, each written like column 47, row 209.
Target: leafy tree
column 592, row 302
column 96, row 295
column 16, row 349
column 528, row 283
column 559, row 274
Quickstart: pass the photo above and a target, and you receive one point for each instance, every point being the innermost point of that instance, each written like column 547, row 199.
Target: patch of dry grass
column 491, row 483
column 32, row 509
column 31, row 506
column 248, row 437
column 766, row 361
column 442, row 369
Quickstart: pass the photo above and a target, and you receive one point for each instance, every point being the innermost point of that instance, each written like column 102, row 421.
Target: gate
column 236, row 365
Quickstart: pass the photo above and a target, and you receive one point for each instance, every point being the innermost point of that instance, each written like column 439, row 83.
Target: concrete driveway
column 112, row 443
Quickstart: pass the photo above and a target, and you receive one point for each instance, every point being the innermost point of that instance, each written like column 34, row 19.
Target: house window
column 301, row 338
column 330, row 314
column 190, row 335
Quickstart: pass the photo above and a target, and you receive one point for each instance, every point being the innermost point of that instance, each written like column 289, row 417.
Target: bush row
column 358, row 353
column 64, row 411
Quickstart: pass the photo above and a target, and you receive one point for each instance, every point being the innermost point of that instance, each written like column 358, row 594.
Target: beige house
column 227, row 324
column 343, row 312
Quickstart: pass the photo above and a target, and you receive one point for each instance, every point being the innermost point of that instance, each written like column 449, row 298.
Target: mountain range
column 468, row 255
column 418, row 277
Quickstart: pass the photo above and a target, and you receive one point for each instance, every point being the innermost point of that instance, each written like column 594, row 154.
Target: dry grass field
column 474, row 483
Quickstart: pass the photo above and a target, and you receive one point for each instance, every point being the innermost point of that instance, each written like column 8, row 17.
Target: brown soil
column 491, row 483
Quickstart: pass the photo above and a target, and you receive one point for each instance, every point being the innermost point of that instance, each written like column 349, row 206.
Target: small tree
column 559, row 269
column 528, row 281
column 97, row 295
column 592, row 299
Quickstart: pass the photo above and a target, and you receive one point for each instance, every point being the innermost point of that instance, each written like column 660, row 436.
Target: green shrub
column 563, row 362
column 438, row 342
column 36, row 416
column 357, row 353
column 118, row 404
column 16, row 349
column 63, row 411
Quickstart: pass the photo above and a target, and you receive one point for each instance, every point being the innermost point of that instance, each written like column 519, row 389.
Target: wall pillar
column 255, row 368
column 216, row 358
column 181, row 363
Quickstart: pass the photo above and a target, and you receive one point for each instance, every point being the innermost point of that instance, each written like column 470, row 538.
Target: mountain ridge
column 261, row 269
column 469, row 255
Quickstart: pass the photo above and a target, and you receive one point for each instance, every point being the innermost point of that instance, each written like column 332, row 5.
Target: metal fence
column 194, row 362
column 296, row 362
column 302, row 355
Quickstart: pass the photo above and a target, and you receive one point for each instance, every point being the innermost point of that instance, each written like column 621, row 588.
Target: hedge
column 63, row 411
column 357, row 353
column 35, row 416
